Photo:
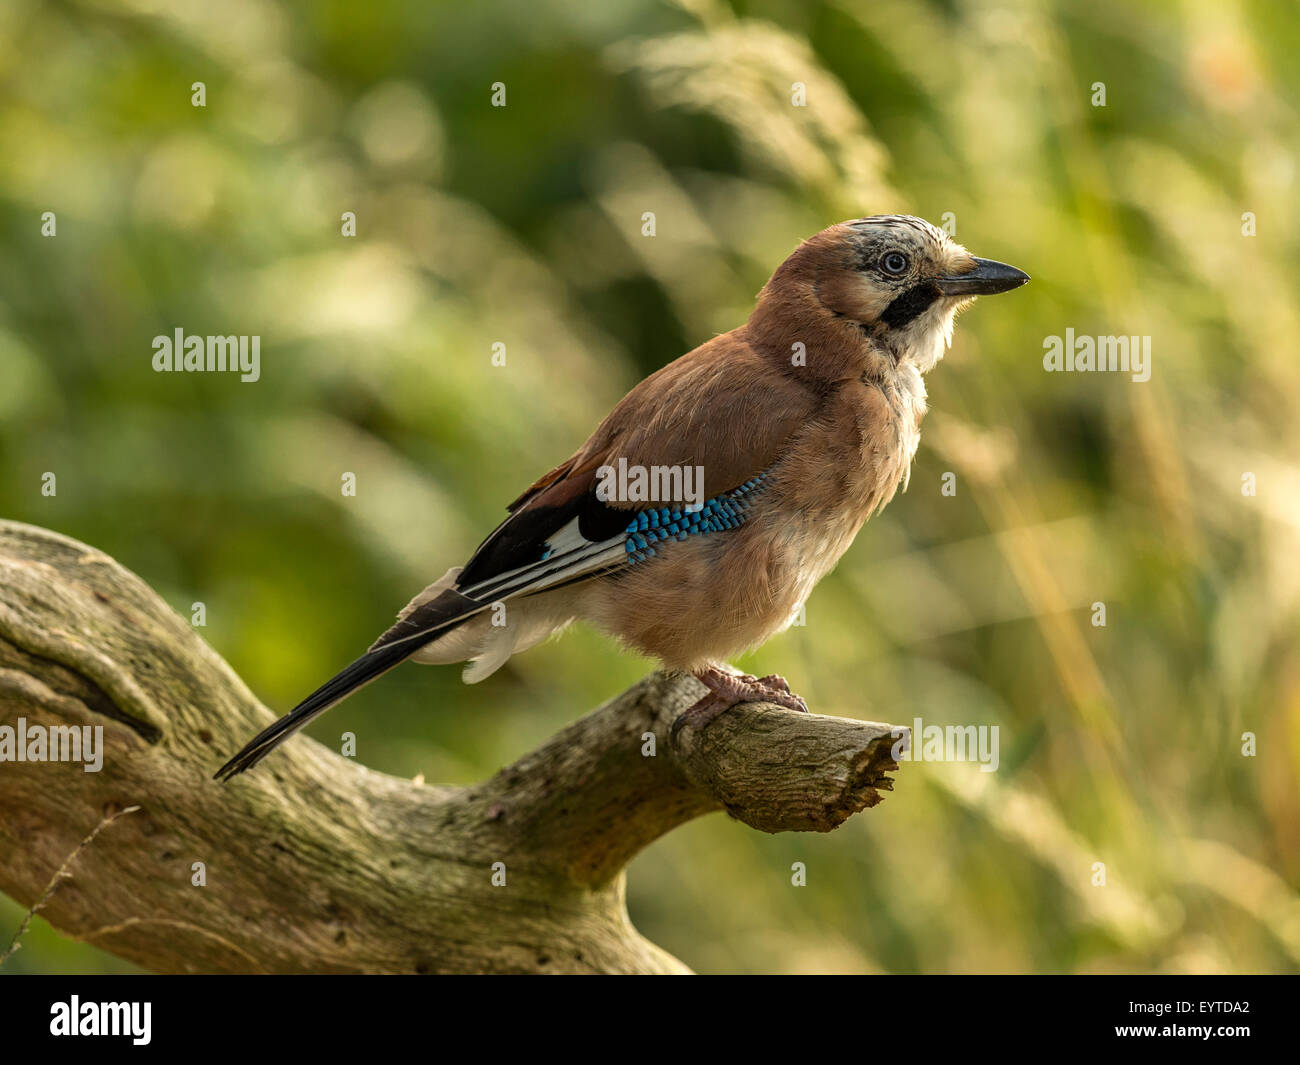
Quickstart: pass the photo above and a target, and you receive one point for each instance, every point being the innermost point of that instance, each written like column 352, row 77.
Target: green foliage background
column 521, row 225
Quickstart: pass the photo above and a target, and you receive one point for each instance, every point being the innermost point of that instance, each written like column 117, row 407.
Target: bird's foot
column 728, row 689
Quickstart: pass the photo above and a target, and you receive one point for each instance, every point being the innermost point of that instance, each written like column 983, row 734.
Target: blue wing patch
column 654, row 527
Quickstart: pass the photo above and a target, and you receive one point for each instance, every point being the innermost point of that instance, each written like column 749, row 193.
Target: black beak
column 987, row 278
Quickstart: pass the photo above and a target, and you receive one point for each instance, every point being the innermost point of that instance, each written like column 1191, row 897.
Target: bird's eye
column 894, row 263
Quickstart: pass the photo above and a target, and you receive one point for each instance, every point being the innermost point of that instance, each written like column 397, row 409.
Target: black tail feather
column 361, row 672
column 391, row 649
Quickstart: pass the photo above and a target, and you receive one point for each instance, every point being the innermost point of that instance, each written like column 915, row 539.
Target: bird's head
column 901, row 280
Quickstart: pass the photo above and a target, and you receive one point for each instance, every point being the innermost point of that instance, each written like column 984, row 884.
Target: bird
column 792, row 430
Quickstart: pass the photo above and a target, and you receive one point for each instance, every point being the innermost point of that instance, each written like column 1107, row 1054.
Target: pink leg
column 728, row 689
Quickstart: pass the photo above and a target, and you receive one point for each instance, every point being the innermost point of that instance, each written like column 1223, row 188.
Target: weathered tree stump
column 317, row 864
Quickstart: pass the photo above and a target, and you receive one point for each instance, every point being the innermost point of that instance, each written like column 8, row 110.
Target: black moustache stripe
column 906, row 306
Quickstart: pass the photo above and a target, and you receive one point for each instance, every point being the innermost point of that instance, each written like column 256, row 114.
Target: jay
column 802, row 423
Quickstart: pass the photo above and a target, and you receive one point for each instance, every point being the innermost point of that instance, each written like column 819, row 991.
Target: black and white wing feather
column 558, row 533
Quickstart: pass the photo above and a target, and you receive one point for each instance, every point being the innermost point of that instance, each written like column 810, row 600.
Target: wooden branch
column 316, row 864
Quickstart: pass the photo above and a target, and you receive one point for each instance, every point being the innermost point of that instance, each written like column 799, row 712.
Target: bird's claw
column 729, row 689
column 699, row 714
column 779, row 692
